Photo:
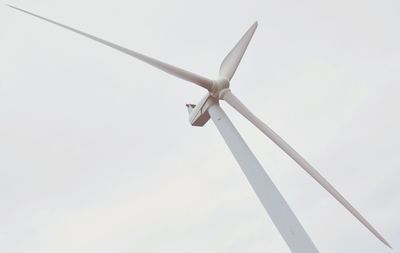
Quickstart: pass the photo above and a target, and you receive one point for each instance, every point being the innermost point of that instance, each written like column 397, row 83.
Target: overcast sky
column 97, row 155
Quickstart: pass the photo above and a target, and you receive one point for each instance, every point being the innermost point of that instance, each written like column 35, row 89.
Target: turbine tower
column 199, row 114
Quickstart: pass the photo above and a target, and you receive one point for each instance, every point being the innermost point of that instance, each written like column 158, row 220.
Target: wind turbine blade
column 175, row 71
column 231, row 99
column 281, row 215
column 232, row 60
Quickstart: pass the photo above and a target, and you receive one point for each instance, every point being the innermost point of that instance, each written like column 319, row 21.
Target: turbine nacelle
column 198, row 114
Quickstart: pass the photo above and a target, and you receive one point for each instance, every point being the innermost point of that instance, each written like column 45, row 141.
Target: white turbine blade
column 232, row 60
column 175, row 71
column 231, row 99
column 272, row 200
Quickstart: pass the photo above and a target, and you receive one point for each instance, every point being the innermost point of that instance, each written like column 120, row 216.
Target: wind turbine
column 219, row 89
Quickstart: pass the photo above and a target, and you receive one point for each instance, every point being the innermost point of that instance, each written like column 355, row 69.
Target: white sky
column 97, row 155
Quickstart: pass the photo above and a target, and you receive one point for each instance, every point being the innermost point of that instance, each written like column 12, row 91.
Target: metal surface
column 198, row 115
column 281, row 215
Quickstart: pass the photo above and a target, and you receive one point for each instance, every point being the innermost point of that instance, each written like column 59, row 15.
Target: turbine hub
column 219, row 85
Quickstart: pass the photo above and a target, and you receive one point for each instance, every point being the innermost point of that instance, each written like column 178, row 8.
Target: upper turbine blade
column 175, row 71
column 232, row 60
column 231, row 99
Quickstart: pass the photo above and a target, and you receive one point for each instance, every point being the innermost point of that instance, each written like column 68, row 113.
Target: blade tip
column 387, row 244
column 12, row 6
column 383, row 240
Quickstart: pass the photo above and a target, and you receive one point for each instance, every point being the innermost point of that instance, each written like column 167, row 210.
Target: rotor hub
column 219, row 85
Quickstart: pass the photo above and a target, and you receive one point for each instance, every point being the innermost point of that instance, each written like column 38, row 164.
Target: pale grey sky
column 97, row 155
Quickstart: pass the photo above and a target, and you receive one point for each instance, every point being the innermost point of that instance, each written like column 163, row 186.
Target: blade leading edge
column 232, row 100
column 175, row 71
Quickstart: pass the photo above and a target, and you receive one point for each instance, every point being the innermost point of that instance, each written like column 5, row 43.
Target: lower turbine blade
column 175, row 71
column 281, row 215
column 231, row 99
